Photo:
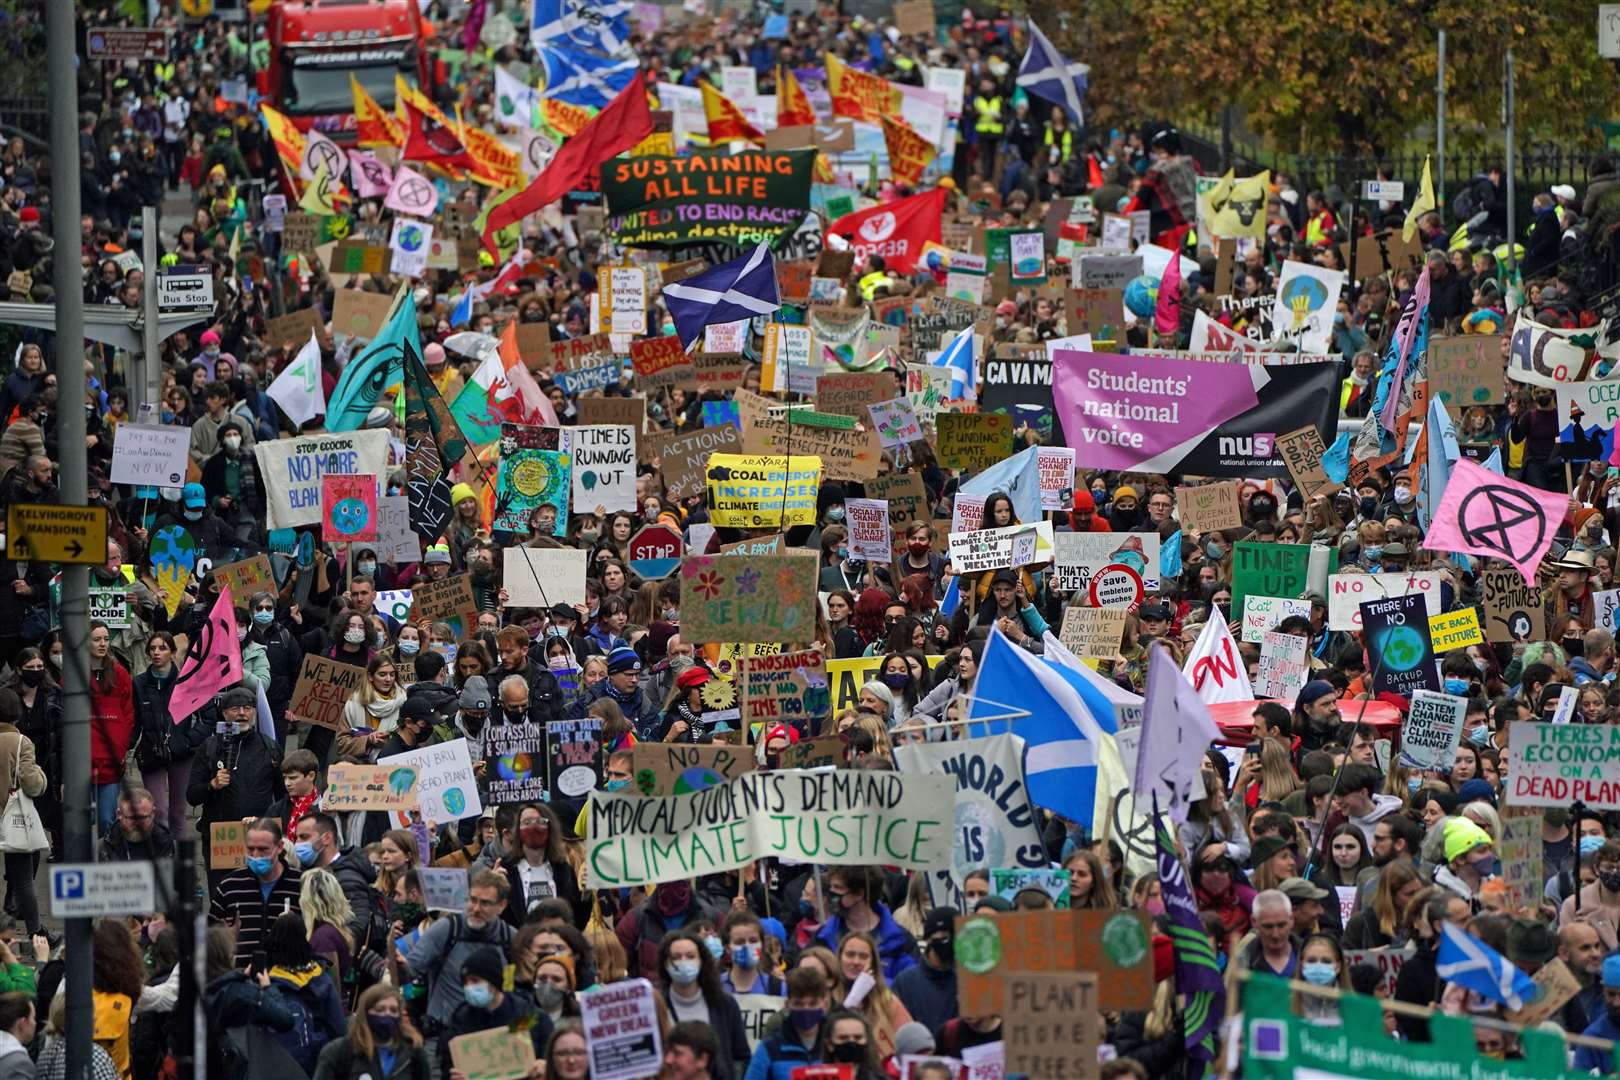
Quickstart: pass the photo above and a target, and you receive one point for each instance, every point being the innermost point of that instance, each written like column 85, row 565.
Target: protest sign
column 826, row 817
column 972, row 440
column 1113, row 944
column 573, row 764
column 757, row 1010
column 1346, row 593
column 848, row 393
column 817, row 753
column 324, row 686
column 849, row 675
column 895, row 422
column 246, row 577
column 1302, row 452
column 869, row 534
column 445, row 788
column 628, row 411
column 500, row 1053
column 1555, row 764
column 787, row 364
column 531, row 474
column 1008, row 883
column 682, row 768
column 1209, row 507
column 1268, row 570
column 173, row 556
column 749, row 598
column 410, row 242
column 1105, row 271
column 708, row 197
column 443, row 889
column 1050, row 1024
column 514, row 762
column 1397, row 636
column 538, row 577
column 111, row 605
column 684, row 458
column 789, row 687
column 992, row 549
column 582, row 380
column 1606, row 606
column 1465, row 370
column 1513, row 610
column 623, row 292
column 1520, row 849
column 227, row 845
column 1078, row 556
column 291, row 331
column 1557, row 985
column 361, row 314
column 846, row 453
column 1055, row 465
column 660, row 361
column 368, row 787
column 621, row 1030
column 904, row 495
column 758, row 491
column 1261, row 614
column 1454, row 630
column 602, row 462
column 152, row 455
column 349, row 508
column 445, row 601
column 1093, row 633
column 1433, row 727
column 1283, row 665
column 292, row 470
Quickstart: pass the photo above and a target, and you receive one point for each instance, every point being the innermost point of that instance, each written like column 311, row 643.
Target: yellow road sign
column 60, row 534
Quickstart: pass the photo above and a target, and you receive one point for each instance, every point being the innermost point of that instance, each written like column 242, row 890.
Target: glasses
column 270, row 609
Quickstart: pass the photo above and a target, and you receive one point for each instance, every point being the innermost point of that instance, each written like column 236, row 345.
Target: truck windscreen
column 318, row 82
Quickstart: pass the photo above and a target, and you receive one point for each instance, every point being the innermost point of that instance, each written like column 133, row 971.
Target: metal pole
column 1440, row 126
column 1226, row 138
column 143, row 372
column 1509, row 168
column 68, row 280
column 192, row 1052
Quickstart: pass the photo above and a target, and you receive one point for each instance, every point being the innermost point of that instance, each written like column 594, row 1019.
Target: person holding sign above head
column 692, row 991
column 486, row 1006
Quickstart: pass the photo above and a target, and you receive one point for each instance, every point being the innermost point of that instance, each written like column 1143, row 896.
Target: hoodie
column 1085, row 517
column 1383, row 806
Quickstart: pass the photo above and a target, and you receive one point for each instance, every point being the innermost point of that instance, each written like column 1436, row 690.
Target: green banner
column 1272, row 570
column 1280, row 1045
column 708, row 197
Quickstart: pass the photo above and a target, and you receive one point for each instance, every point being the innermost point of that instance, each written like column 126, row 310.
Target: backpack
column 303, row 1040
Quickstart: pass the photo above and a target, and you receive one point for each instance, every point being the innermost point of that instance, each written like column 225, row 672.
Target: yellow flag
column 317, row 197
column 1420, row 205
column 289, row 141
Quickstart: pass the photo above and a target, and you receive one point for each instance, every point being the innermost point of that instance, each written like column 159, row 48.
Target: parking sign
column 92, row 890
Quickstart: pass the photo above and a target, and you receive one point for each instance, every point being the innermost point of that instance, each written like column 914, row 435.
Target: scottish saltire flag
column 960, row 356
column 598, row 25
column 733, row 291
column 1198, row 975
column 584, row 79
column 1050, row 76
column 1474, row 965
column 378, row 365
column 1017, row 477
column 1061, row 736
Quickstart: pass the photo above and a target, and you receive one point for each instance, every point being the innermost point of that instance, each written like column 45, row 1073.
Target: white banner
column 446, row 790
column 1555, row 764
column 292, row 469
column 1347, row 592
column 603, row 464
column 150, row 455
column 1077, row 556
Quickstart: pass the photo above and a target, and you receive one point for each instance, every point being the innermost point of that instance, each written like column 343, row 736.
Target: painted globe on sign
column 455, row 802
column 976, row 825
column 697, row 778
column 1142, row 296
column 514, row 767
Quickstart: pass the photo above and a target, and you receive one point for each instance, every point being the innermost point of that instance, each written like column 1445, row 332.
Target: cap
column 1531, row 943
column 563, row 613
column 194, row 495
column 1397, row 548
column 1265, row 849
column 1007, row 308
column 940, row 920
column 438, row 553
column 913, row 1038
column 1463, row 836
column 486, row 964
column 781, row 731
column 1004, row 576
column 417, row 707
column 1476, row 790
column 475, row 693
column 237, row 697
column 623, row 659
column 461, row 491
column 692, row 677
column 1297, row 888
column 1314, row 691
column 1159, row 612
column 1563, row 191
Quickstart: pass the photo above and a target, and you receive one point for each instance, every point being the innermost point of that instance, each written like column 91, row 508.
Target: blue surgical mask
column 478, row 994
column 618, row 784
column 1413, row 783
column 683, row 972
column 305, row 852
column 192, row 515
column 260, row 865
column 1479, row 734
column 1458, row 687
column 264, row 618
column 407, row 647
column 835, row 513
column 745, row 956
column 368, row 567
column 716, row 947
column 1319, row 973
column 1373, row 551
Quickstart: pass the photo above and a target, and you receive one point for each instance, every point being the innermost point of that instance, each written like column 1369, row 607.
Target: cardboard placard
column 245, row 578
column 359, row 314
column 442, row 600
column 676, row 768
column 497, row 1054
column 1513, row 610
column 972, row 440
column 292, row 330
column 817, row 753
column 227, row 844
column 914, row 17
column 1465, row 370
column 1522, row 856
column 1558, row 985
column 534, row 344
column 789, row 687
column 848, row 393
column 906, row 496
column 684, row 458
column 1050, row 1024
column 324, row 687
column 834, row 264
column 1209, row 507
column 1093, row 633
column 368, row 787
column 1112, row 944
column 1302, row 452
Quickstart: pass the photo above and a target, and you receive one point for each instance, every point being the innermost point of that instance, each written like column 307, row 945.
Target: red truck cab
column 315, row 45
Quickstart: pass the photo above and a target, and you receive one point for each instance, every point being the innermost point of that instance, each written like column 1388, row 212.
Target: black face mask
column 31, row 677
column 847, row 1053
column 944, row 952
column 1369, row 506
column 515, row 716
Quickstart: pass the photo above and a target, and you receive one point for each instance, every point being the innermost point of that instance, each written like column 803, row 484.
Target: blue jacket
column 775, row 1058
column 896, row 946
column 1587, row 1058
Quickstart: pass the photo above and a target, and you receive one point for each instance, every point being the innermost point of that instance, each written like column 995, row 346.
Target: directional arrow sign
column 59, row 534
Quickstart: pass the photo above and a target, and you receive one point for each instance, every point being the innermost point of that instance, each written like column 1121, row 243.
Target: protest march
column 795, row 541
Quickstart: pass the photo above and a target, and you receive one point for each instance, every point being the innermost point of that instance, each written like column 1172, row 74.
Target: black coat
column 725, row 1019
column 255, row 777
column 153, row 724
column 286, row 658
column 516, row 912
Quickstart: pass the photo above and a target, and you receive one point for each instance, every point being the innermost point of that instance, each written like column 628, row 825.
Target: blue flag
column 1440, row 454
column 582, row 78
column 733, row 291
column 1336, row 461
column 959, row 357
column 1474, row 965
column 599, row 25
column 379, row 364
column 1046, row 74
column 1017, row 477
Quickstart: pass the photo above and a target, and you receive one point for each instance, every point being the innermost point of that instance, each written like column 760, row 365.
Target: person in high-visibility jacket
column 988, row 125
column 1319, row 223
column 1059, row 137
column 876, row 277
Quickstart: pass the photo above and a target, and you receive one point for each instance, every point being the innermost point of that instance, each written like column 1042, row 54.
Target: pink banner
column 213, row 663
column 349, row 508
column 1491, row 516
column 1122, row 412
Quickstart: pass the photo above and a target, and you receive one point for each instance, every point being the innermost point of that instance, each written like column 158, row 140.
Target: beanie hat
column 563, row 961
column 1084, row 504
column 1611, row 972
column 475, row 693
column 438, row 553
column 1476, row 790
column 209, row 337
column 486, row 964
column 433, row 353
column 1124, row 491
column 461, row 491
column 623, row 659
column 913, row 1038
column 28, row 214
column 237, row 697
column 1463, row 836
column 1314, row 691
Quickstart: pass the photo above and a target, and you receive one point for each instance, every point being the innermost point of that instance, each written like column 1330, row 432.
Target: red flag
column 792, row 106
column 213, row 663
column 895, row 230
column 517, row 374
column 617, row 128
column 430, row 135
column 726, row 121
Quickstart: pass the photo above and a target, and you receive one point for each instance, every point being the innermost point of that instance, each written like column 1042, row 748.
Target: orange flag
column 858, row 95
column 792, row 106
column 373, row 125
column 726, row 121
column 288, row 139
column 909, row 152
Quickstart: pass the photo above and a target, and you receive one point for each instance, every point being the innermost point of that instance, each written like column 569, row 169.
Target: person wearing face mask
column 206, row 431
column 928, row 989
column 743, row 971
column 535, row 865
column 230, row 479
column 253, row 897
column 485, row 1006
column 852, row 894
column 793, row 1037
column 671, row 906
column 691, row 988
column 235, row 769
column 316, row 846
column 1539, row 429
column 1470, row 859
column 1402, row 499
column 283, row 653
column 214, row 537
column 381, row 1042
column 1598, row 905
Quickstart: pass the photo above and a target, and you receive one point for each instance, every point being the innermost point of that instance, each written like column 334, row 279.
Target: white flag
column 1215, row 666
column 298, row 389
column 1176, row 730
column 514, row 100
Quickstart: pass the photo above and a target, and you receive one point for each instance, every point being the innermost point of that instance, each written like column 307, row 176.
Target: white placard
column 627, row 291
column 1261, row 614
column 443, row 889
column 621, row 1030
column 292, row 469
column 446, row 789
column 541, row 577
column 1432, row 730
column 869, row 535
column 395, row 540
column 410, row 242
column 1283, row 666
column 1056, row 467
column 603, row 464
column 1347, row 592
column 150, row 455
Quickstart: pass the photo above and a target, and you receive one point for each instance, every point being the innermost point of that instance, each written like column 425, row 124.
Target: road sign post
column 111, row 43
column 655, row 551
column 37, row 532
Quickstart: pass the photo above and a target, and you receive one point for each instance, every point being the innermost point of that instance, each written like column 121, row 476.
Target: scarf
column 300, row 807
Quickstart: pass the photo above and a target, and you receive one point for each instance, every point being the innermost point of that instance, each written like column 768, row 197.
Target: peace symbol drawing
column 1502, row 519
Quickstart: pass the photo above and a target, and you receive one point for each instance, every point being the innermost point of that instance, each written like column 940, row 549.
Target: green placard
column 1272, row 570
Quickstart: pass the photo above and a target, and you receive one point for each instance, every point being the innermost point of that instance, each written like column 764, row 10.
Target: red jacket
column 112, row 722
column 1085, row 518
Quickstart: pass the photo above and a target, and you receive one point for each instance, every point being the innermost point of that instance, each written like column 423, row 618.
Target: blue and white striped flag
column 582, row 78
column 1017, row 477
column 1048, row 75
column 599, row 25
column 733, row 291
column 960, row 356
column 1474, row 965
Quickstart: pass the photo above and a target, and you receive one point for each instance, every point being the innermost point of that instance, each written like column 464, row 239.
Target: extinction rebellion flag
column 736, row 199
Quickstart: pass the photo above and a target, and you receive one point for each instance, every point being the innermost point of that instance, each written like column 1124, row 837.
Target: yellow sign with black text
column 59, row 534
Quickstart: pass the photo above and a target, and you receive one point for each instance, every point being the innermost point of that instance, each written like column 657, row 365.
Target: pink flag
column 371, row 177
column 213, row 663
column 412, row 194
column 1491, row 516
column 1167, row 313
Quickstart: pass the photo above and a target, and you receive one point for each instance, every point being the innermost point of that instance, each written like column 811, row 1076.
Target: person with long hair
column 397, row 854
column 1089, row 887
column 381, row 1042
column 1321, row 963
column 327, row 915
column 1347, row 857
column 868, row 617
column 1210, row 821
column 883, row 1010
column 895, row 673
column 306, row 986
column 376, row 704
column 847, row 1038
column 538, row 867
column 35, row 687
column 842, row 640
column 567, row 1057
column 161, row 774
column 117, row 980
column 689, row 979
column 1380, row 922
column 112, row 723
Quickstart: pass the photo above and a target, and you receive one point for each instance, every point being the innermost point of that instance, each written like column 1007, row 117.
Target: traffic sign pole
column 68, row 279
